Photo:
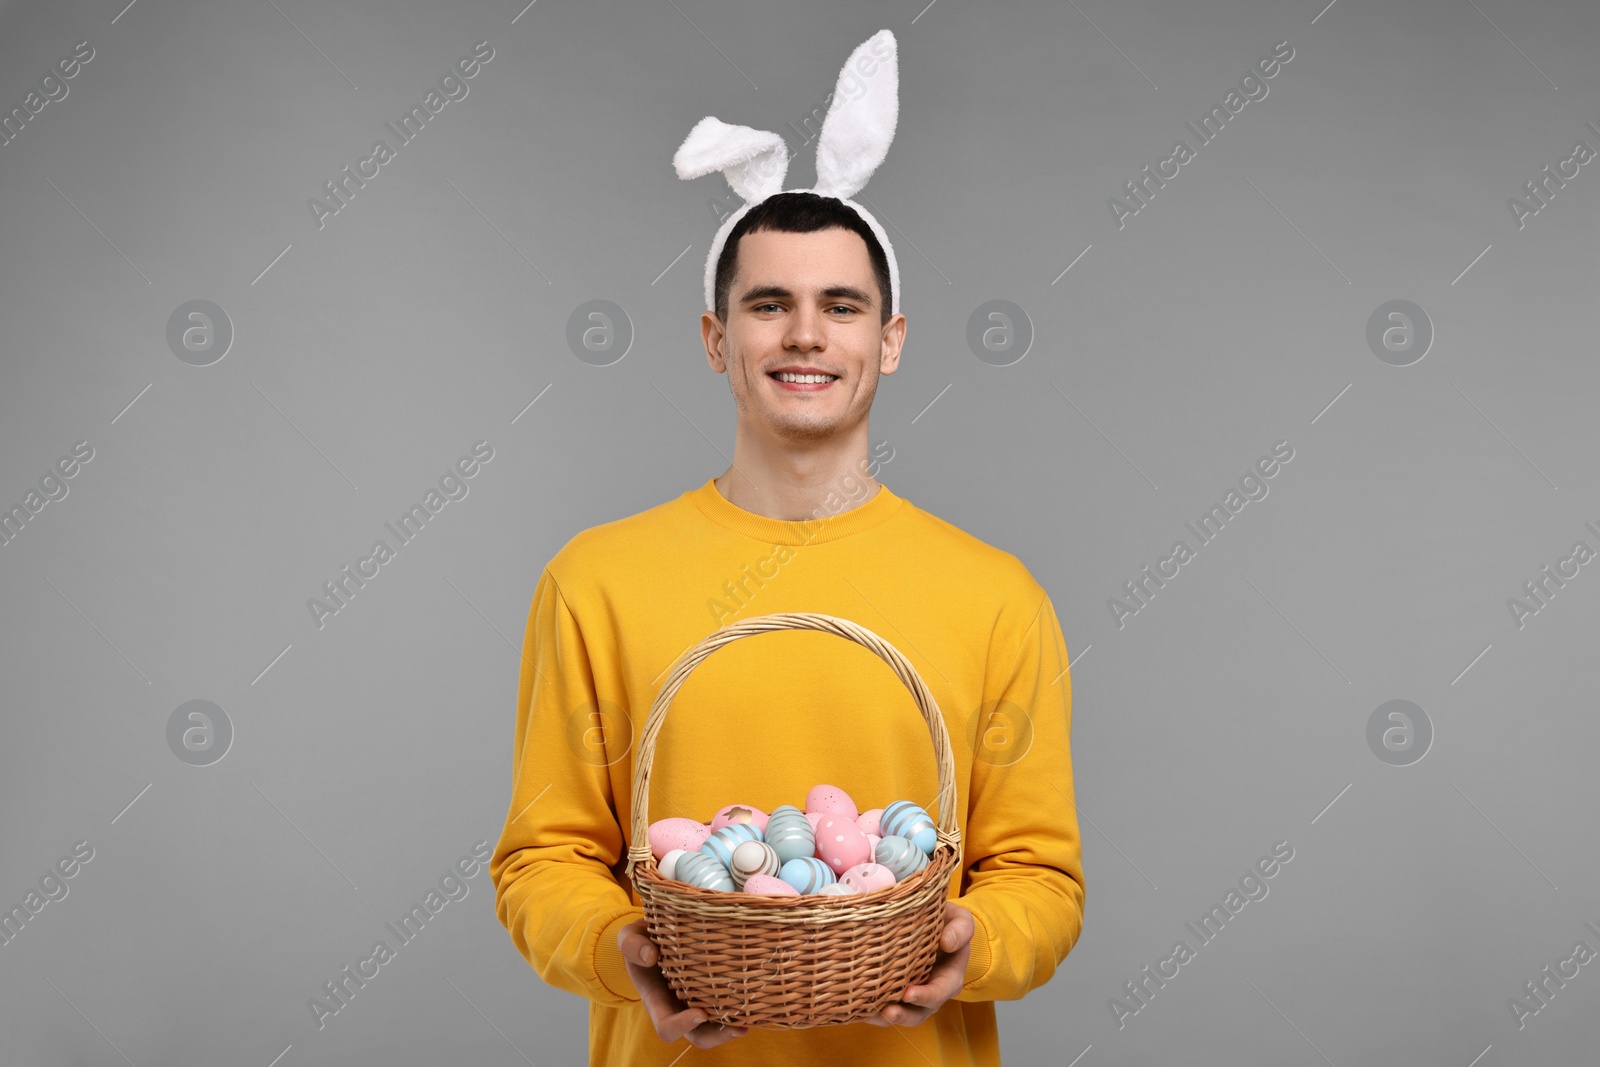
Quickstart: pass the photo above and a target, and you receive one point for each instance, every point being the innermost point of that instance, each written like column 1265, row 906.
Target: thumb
column 636, row 947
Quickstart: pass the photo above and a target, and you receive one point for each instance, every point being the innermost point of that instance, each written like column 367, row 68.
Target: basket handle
column 948, row 833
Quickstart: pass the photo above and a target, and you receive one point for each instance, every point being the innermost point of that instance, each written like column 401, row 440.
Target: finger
column 911, row 1016
column 904, row 1015
column 637, row 947
column 640, row 952
column 946, row 979
column 944, row 983
column 710, row 1035
column 670, row 1016
column 957, row 932
column 688, row 1023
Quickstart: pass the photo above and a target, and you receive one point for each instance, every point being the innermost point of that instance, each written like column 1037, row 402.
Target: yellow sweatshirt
column 765, row 718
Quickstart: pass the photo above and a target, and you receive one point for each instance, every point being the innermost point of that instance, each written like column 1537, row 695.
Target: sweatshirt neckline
column 812, row 531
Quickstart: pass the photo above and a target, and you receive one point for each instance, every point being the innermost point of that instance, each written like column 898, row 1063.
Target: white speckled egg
column 790, row 833
column 753, row 857
column 699, row 869
column 807, row 874
column 901, row 857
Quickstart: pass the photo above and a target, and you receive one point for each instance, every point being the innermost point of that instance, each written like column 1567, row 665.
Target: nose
column 804, row 329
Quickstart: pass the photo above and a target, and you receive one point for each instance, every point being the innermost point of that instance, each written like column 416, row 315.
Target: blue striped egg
column 807, row 874
column 907, row 820
column 699, row 869
column 720, row 845
column 789, row 833
column 901, row 857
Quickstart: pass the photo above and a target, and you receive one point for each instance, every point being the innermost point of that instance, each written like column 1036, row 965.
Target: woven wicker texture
column 780, row 962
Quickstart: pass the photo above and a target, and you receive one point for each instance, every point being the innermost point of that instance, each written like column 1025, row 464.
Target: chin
column 806, row 431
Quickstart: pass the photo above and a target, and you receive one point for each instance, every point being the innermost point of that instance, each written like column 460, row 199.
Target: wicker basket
column 790, row 962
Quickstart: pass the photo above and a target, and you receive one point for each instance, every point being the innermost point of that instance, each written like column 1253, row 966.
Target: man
column 802, row 292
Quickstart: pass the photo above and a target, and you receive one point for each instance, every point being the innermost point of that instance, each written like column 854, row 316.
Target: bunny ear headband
column 855, row 138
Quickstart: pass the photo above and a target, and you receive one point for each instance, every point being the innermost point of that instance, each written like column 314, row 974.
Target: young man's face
column 810, row 301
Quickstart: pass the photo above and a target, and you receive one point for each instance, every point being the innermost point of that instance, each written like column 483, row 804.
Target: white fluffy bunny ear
column 753, row 161
column 861, row 120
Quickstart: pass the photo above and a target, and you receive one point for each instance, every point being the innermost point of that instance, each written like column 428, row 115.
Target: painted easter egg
column 739, row 813
column 831, row 800
column 720, row 845
column 753, row 857
column 901, row 857
column 872, row 840
column 699, row 869
column 869, row 821
column 668, row 864
column 837, row 889
column 907, row 820
column 770, row 886
column 840, row 844
column 668, row 834
column 790, row 833
column 807, row 874
column 865, row 877
column 814, row 817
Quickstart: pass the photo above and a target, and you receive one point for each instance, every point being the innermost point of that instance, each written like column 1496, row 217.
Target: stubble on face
column 752, row 345
column 797, row 422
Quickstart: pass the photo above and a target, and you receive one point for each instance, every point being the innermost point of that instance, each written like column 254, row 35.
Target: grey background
column 368, row 355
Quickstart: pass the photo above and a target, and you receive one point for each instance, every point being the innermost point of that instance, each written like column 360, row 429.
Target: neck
column 787, row 484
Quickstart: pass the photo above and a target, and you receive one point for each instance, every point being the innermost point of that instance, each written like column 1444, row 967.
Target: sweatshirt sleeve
column 1024, row 871
column 558, row 867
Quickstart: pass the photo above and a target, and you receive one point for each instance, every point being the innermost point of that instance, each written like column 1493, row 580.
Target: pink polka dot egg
column 841, row 844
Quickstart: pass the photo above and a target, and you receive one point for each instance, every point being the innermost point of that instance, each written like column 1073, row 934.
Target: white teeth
column 810, row 379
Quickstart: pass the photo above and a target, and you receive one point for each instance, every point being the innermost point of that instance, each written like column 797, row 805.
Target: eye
column 844, row 307
column 763, row 307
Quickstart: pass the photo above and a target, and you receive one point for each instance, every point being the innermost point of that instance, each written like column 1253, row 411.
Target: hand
column 667, row 1012
column 948, row 976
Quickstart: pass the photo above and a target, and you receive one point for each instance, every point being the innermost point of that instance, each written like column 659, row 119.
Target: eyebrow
column 833, row 292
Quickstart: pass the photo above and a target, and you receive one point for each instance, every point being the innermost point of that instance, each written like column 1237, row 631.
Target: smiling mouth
column 804, row 386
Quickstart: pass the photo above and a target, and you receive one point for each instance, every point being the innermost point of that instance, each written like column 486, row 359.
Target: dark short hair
column 800, row 213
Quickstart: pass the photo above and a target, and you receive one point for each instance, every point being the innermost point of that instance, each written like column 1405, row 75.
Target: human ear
column 894, row 336
column 715, row 337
